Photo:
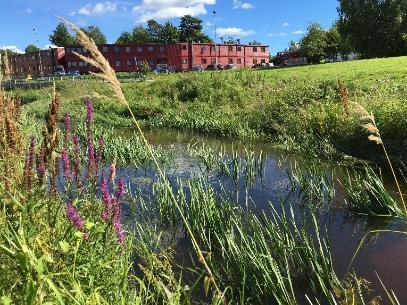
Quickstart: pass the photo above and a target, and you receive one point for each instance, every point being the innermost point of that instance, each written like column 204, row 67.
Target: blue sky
column 272, row 22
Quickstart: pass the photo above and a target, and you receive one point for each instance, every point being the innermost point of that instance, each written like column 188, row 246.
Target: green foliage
column 314, row 43
column 95, row 33
column 32, row 48
column 61, row 36
column 191, row 30
column 375, row 28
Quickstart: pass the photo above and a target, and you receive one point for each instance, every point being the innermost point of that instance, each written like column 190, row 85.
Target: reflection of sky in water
column 385, row 254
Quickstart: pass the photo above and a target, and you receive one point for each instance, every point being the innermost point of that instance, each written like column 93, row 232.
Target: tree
column 313, row 44
column 32, row 48
column 293, row 46
column 124, row 37
column 154, row 30
column 61, row 36
column 191, row 30
column 169, row 33
column 140, row 35
column 255, row 43
column 333, row 43
column 95, row 33
column 374, row 28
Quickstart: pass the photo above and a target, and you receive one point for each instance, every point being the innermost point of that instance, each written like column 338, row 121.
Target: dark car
column 197, row 68
column 74, row 73
column 230, row 67
column 221, row 67
column 212, row 67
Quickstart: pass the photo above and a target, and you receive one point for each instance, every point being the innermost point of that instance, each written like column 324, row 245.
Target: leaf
column 79, row 234
column 5, row 300
column 207, row 284
column 89, row 225
column 64, row 246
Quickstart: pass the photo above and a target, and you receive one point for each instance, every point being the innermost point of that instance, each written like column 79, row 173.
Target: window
column 116, row 49
column 85, row 50
column 139, row 49
column 129, row 62
column 105, row 49
column 128, row 49
column 184, row 61
column 213, row 49
column 162, row 49
column 239, row 61
column 68, row 50
column 139, row 62
column 230, row 48
column 150, row 49
column 254, row 61
column 117, row 63
column 85, row 64
column 74, row 64
column 263, row 61
column 184, row 47
column 203, row 49
column 69, row 64
column 81, row 64
column 204, row 61
column 254, row 49
column 79, row 50
column 151, row 62
column 230, row 61
column 239, row 49
column 213, row 61
column 263, row 49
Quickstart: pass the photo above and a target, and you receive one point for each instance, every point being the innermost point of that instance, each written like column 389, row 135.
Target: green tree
column 154, row 30
column 374, row 28
column 313, row 43
column 125, row 37
column 95, row 33
column 333, row 43
column 32, row 48
column 61, row 36
column 191, row 30
column 169, row 33
column 140, row 35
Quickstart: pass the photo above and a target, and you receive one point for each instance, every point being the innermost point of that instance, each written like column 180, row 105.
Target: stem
column 184, row 220
column 395, row 178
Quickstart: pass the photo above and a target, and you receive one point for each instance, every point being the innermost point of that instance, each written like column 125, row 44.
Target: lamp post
column 39, row 52
column 216, row 53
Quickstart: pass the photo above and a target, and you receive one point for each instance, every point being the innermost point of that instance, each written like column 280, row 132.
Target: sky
column 272, row 22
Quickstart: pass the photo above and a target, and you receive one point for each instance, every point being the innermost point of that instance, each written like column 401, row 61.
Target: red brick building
column 36, row 63
column 130, row 57
column 181, row 56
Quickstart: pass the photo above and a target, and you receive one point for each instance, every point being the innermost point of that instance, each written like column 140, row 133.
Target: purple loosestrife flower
column 67, row 123
column 120, row 189
column 106, row 198
column 99, row 155
column 74, row 216
column 91, row 159
column 117, row 223
column 66, row 167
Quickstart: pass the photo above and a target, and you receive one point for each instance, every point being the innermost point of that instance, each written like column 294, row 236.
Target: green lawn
column 298, row 108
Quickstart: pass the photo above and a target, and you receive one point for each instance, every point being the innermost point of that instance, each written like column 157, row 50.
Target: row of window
column 117, row 49
column 231, row 49
column 29, row 69
column 28, row 57
column 118, row 63
column 230, row 61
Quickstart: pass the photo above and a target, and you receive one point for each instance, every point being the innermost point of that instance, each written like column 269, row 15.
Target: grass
column 299, row 108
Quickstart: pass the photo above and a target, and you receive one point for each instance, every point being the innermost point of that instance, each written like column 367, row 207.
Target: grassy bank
column 299, row 108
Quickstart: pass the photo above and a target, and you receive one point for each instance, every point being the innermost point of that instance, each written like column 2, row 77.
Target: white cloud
column 234, row 32
column 98, row 9
column 28, row 11
column 167, row 9
column 281, row 34
column 298, row 32
column 244, row 5
column 12, row 48
column 285, row 24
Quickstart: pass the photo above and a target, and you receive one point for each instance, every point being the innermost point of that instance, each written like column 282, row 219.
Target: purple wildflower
column 120, row 189
column 66, row 168
column 91, row 159
column 106, row 198
column 89, row 112
column 117, row 223
column 74, row 216
column 99, row 154
column 77, row 170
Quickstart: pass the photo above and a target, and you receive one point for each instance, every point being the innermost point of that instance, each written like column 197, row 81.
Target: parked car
column 59, row 70
column 221, row 67
column 230, row 67
column 197, row 68
column 163, row 69
column 74, row 72
column 212, row 67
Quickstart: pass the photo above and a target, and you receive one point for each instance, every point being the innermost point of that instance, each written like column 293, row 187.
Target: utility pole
column 216, row 53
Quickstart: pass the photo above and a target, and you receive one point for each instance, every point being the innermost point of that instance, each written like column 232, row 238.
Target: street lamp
column 39, row 52
column 216, row 53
